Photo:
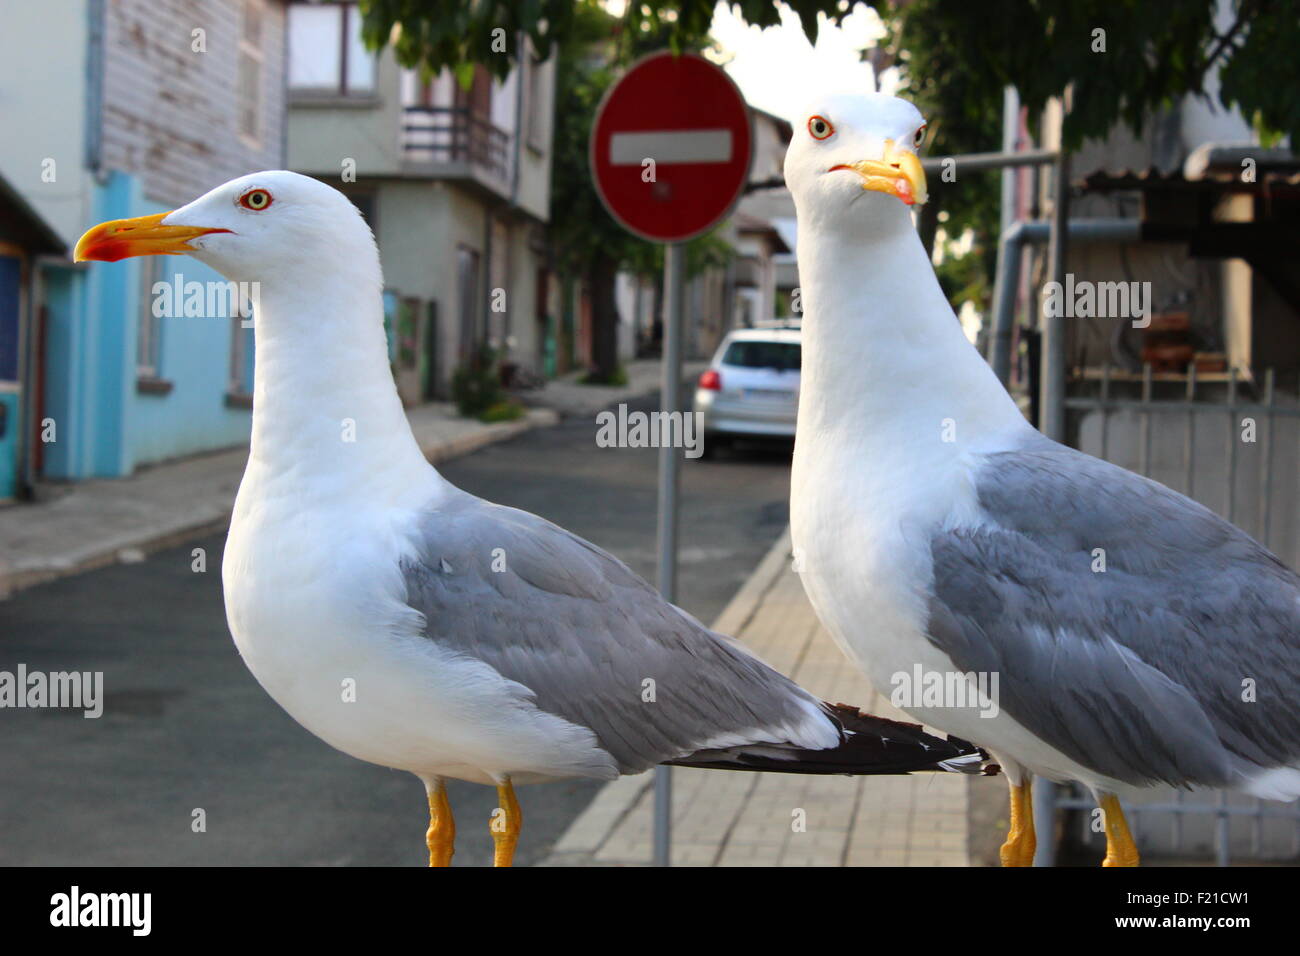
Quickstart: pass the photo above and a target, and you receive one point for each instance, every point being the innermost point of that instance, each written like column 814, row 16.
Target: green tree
column 591, row 51
column 587, row 240
column 445, row 34
column 1123, row 59
column 1155, row 50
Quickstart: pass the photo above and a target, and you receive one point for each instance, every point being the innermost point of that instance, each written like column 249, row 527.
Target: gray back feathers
column 583, row 633
column 1139, row 671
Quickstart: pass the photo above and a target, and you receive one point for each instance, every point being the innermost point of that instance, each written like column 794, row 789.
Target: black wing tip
column 869, row 745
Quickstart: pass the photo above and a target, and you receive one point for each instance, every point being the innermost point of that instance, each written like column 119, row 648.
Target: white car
column 751, row 388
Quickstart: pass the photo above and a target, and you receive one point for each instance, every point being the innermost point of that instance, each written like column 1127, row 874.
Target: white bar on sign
column 670, row 146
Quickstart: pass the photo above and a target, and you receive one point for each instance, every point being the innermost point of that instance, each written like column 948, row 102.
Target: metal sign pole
column 669, row 464
column 1051, row 416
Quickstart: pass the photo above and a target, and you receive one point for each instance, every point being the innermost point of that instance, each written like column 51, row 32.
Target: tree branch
column 1245, row 12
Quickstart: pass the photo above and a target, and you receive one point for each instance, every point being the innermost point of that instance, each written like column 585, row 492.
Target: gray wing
column 577, row 628
column 1138, row 672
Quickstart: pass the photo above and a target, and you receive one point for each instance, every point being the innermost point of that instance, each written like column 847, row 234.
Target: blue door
column 11, row 275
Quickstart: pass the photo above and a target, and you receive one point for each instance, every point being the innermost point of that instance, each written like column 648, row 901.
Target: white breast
column 315, row 603
column 861, row 534
column 862, row 538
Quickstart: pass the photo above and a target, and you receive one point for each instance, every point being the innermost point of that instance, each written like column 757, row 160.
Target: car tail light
column 711, row 381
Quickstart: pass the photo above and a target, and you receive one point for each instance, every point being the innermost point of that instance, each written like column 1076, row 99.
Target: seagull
column 938, row 532
column 410, row 624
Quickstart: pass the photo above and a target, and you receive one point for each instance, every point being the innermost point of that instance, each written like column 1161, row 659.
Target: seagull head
column 852, row 154
column 258, row 228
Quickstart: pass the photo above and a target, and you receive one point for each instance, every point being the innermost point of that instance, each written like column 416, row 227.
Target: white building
column 455, row 183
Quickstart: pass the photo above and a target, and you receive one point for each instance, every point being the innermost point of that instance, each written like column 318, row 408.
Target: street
column 193, row 764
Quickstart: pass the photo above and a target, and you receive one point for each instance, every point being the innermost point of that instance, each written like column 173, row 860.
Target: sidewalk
column 97, row 522
column 92, row 523
column 569, row 398
column 728, row 818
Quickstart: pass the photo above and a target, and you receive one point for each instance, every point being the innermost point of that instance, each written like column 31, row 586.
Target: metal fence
column 1173, row 440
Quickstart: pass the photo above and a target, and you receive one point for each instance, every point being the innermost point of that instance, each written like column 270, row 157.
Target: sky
column 778, row 70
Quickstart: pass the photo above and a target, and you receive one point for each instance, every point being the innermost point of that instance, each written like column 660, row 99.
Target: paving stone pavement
column 726, row 818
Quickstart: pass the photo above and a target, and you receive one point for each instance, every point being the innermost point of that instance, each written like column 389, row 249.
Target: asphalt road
column 188, row 737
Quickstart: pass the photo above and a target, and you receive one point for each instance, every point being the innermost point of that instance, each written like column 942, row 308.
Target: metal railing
column 1262, row 418
column 449, row 134
column 1267, row 508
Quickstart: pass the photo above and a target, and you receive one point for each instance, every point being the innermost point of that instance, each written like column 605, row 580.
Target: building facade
column 453, row 179
column 166, row 100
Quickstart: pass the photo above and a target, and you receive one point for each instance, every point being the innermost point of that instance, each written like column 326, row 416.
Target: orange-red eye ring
column 827, row 129
column 256, row 199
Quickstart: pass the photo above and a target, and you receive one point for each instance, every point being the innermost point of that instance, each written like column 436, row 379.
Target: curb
column 593, row 399
column 126, row 549
column 129, row 548
column 585, row 836
column 490, row 435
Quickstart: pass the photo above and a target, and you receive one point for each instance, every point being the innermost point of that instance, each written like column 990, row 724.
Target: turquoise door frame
column 11, row 341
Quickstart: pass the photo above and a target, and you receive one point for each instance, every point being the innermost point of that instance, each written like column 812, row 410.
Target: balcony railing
column 455, row 134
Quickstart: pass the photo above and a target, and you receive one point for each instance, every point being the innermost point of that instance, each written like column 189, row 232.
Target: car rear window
column 779, row 355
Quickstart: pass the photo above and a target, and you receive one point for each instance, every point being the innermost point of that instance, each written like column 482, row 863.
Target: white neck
column 327, row 420
column 885, row 361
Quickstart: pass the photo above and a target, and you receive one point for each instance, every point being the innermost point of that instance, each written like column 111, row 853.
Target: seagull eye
column 819, row 127
column 255, row 199
column 919, row 136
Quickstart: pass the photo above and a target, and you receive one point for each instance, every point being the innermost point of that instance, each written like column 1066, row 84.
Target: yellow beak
column 142, row 236
column 898, row 173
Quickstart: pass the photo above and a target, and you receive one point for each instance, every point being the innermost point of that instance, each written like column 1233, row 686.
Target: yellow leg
column 505, row 825
column 441, row 837
column 1120, row 848
column 1021, row 842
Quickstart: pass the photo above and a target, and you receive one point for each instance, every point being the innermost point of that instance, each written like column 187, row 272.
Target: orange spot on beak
column 898, row 173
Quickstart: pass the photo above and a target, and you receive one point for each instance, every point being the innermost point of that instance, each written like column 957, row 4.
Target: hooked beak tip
column 120, row 239
column 898, row 172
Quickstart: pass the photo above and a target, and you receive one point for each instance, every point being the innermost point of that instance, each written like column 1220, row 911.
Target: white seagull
column 937, row 530
column 413, row 625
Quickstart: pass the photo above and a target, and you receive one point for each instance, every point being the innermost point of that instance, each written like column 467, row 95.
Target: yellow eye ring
column 255, row 199
column 819, row 127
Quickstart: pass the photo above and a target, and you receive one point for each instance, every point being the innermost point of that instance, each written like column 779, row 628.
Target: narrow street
column 187, row 734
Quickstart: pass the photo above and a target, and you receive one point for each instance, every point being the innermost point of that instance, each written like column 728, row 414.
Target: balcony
column 439, row 136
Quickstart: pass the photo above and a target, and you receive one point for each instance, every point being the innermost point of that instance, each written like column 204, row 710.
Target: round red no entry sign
column 671, row 146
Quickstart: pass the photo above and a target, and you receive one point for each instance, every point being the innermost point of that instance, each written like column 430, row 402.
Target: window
column 783, row 356
column 249, row 76
column 148, row 336
column 467, row 276
column 365, row 203
column 326, row 54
